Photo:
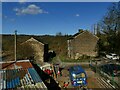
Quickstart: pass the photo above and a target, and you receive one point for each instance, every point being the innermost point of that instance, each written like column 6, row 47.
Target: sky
column 49, row 18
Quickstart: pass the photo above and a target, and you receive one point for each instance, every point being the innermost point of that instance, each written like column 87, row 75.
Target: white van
column 112, row 56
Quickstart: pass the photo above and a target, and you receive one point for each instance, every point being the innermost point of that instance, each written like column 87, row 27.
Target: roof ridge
column 85, row 32
column 33, row 39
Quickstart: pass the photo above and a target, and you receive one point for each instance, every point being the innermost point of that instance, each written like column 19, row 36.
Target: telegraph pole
column 15, row 45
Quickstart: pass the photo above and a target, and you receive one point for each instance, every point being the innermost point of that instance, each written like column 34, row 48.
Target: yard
column 91, row 78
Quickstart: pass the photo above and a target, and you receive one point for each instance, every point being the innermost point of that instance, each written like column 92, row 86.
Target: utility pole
column 15, row 45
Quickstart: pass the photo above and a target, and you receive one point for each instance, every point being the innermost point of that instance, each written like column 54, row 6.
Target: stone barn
column 40, row 50
column 82, row 43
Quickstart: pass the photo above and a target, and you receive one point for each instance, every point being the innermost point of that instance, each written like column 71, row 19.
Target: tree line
column 108, row 30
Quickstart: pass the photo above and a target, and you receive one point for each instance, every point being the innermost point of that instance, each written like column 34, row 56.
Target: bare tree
column 111, row 27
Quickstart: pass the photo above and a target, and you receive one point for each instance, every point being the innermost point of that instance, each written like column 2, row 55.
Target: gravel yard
column 91, row 78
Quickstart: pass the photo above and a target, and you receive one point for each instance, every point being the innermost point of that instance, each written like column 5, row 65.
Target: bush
column 84, row 57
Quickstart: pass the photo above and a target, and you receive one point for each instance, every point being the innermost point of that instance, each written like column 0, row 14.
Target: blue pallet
column 34, row 75
column 8, row 85
column 14, row 82
column 18, row 81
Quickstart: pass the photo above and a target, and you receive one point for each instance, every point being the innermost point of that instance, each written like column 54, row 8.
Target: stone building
column 40, row 50
column 82, row 43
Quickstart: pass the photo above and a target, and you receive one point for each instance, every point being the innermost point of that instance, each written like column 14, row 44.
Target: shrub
column 84, row 57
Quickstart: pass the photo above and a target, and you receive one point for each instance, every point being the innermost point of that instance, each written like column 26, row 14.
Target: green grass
column 64, row 59
column 75, row 60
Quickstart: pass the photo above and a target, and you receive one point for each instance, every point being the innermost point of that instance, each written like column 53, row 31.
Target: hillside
column 55, row 43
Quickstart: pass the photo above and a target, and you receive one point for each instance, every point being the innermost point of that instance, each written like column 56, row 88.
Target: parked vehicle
column 78, row 76
column 112, row 56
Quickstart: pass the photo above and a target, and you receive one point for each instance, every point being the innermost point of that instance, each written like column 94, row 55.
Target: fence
column 106, row 76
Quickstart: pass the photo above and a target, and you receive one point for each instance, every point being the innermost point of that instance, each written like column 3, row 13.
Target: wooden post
column 53, row 71
column 15, row 45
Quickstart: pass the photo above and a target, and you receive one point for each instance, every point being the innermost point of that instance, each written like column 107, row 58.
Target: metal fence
column 110, row 79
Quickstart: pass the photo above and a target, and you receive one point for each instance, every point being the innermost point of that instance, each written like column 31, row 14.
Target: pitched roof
column 33, row 40
column 80, row 33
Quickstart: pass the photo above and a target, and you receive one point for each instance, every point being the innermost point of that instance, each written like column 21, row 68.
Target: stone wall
column 40, row 50
column 83, row 44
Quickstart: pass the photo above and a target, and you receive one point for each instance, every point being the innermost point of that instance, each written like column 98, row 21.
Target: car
column 112, row 56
